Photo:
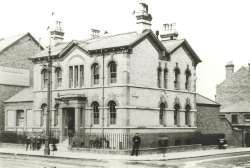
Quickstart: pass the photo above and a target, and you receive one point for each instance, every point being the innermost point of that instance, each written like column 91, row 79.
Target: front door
column 69, row 114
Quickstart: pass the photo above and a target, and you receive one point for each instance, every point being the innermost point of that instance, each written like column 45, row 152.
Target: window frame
column 112, row 112
column 112, row 67
column 45, row 78
column 96, row 113
column 58, row 77
column 95, row 70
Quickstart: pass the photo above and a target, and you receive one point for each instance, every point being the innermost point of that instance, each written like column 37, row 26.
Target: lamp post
column 49, row 71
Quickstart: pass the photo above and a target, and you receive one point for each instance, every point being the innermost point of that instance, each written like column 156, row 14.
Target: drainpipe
column 103, row 98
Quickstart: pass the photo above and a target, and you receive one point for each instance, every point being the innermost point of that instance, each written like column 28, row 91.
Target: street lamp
column 47, row 132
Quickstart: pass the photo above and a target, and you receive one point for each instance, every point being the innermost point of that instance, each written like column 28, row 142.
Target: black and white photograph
column 125, row 84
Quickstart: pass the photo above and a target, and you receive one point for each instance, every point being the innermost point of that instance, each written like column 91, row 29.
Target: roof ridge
column 103, row 37
column 207, row 98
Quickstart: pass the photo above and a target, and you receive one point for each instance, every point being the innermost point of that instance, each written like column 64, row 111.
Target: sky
column 218, row 30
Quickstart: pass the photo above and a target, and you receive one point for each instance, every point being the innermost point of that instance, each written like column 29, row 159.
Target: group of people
column 33, row 143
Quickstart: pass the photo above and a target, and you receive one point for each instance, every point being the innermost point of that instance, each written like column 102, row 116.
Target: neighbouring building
column 234, row 96
column 113, row 86
column 15, row 68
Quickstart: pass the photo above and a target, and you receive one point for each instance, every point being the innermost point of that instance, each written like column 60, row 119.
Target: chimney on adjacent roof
column 169, row 32
column 143, row 18
column 229, row 69
column 56, row 33
column 95, row 33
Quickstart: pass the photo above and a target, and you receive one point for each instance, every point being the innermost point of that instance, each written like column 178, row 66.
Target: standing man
column 136, row 145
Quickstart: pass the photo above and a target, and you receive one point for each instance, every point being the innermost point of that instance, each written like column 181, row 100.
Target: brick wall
column 234, row 89
column 209, row 122
column 17, row 55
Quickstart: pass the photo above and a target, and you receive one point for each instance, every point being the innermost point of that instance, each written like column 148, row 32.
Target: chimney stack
column 169, row 32
column 56, row 34
column 143, row 17
column 95, row 33
column 229, row 69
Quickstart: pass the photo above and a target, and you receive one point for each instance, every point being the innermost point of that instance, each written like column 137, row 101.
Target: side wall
column 6, row 92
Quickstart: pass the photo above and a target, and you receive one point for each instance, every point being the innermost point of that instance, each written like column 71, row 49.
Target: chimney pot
column 229, row 69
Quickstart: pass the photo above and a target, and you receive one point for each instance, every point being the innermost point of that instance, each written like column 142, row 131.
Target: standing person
column 27, row 143
column 136, row 145
column 31, row 143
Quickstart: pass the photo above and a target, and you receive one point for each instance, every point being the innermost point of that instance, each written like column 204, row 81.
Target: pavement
column 149, row 157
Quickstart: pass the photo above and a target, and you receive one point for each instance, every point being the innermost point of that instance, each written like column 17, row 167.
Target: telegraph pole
column 49, row 71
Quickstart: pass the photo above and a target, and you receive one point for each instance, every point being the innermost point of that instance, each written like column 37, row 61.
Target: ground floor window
column 19, row 118
column 112, row 111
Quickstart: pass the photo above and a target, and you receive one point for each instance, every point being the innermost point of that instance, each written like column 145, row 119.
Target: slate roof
column 25, row 95
column 240, row 107
column 172, row 44
column 119, row 40
column 204, row 100
column 9, row 41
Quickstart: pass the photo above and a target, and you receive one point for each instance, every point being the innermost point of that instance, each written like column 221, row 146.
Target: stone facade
column 152, row 87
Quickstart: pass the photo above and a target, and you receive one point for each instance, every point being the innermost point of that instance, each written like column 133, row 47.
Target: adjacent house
column 234, row 96
column 15, row 68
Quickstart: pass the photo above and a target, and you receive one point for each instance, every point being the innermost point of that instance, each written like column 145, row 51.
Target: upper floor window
column 112, row 112
column 58, row 77
column 159, row 77
column 95, row 73
column 45, row 78
column 76, row 76
column 81, row 75
column 234, row 119
column 188, row 76
column 96, row 114
column 177, row 77
column 112, row 72
column 162, row 113
column 19, row 118
column 165, row 75
column 71, row 72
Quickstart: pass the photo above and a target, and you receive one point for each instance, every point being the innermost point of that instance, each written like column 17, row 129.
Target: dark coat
column 136, row 140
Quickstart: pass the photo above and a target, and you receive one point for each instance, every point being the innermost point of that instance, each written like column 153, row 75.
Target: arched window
column 95, row 73
column 187, row 114
column 45, row 79
column 43, row 113
column 56, row 114
column 177, row 77
column 188, row 76
column 159, row 77
column 176, row 114
column 112, row 112
column 162, row 113
column 58, row 77
column 112, row 72
column 165, row 75
column 96, row 114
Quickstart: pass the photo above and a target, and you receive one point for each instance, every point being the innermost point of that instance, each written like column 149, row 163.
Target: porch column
column 77, row 120
column 60, row 122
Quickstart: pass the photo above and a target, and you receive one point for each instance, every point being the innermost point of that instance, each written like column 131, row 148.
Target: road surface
column 239, row 160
